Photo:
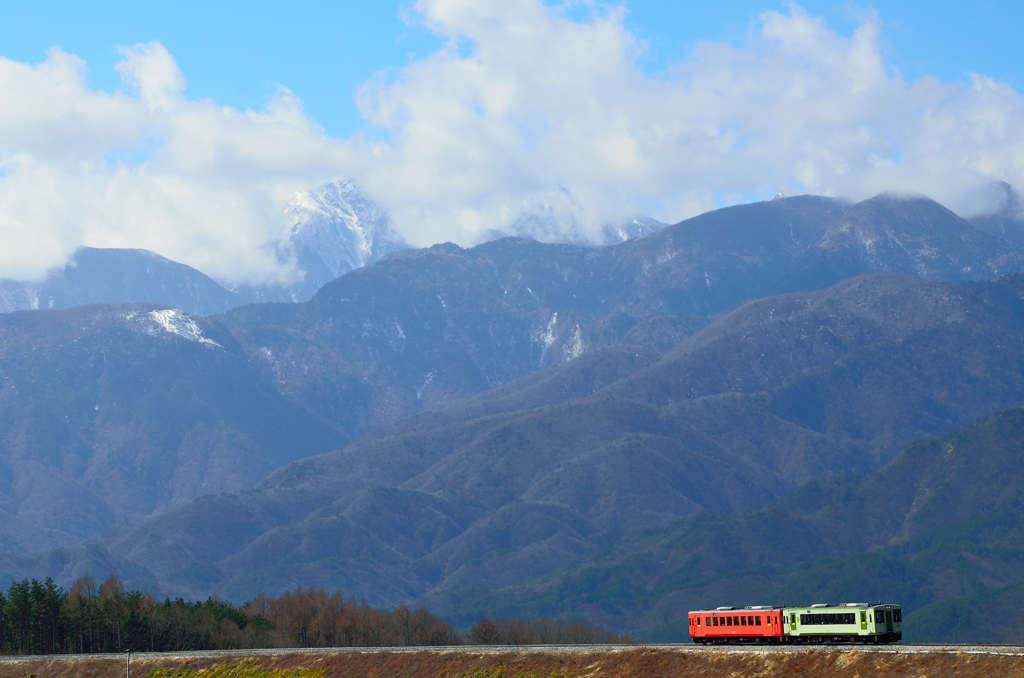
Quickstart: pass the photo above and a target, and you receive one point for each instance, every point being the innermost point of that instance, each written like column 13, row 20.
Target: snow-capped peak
column 336, row 228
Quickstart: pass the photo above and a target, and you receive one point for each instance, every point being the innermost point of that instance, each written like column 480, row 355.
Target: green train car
column 846, row 623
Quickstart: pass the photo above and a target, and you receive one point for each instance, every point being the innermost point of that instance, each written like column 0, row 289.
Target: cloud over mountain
column 527, row 111
column 189, row 179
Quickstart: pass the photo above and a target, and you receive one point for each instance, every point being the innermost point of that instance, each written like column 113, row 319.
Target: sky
column 186, row 127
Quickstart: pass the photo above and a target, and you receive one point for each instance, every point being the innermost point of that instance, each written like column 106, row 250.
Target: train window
column 879, row 617
column 698, row 621
column 743, row 620
column 897, row 616
column 757, row 620
column 728, row 620
column 715, row 619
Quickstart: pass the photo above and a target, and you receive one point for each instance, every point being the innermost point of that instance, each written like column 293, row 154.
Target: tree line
column 41, row 618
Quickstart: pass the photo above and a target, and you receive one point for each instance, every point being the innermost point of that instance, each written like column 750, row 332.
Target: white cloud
column 525, row 111
column 527, row 107
column 194, row 181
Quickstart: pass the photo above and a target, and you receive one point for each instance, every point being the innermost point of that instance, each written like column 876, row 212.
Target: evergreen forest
column 40, row 618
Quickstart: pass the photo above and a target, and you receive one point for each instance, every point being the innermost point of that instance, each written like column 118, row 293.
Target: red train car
column 760, row 624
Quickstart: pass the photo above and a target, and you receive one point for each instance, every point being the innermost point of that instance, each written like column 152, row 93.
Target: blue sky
column 237, row 53
column 165, row 125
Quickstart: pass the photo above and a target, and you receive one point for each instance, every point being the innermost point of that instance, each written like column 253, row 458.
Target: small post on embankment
column 128, row 663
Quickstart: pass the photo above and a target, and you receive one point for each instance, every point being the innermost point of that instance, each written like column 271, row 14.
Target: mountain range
column 454, row 425
column 332, row 229
column 525, row 479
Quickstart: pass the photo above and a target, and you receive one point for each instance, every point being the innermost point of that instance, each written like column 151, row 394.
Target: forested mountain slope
column 941, row 521
column 524, row 479
column 111, row 413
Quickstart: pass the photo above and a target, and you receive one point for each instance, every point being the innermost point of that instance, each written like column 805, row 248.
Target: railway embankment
column 617, row 662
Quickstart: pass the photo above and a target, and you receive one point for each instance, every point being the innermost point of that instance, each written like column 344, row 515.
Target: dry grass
column 246, row 668
column 632, row 663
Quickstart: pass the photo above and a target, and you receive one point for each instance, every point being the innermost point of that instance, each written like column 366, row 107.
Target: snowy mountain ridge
column 332, row 229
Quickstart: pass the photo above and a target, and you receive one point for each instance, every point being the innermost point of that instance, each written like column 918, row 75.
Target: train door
column 863, row 620
column 888, row 621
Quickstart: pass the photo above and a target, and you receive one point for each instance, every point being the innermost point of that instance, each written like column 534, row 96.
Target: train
column 818, row 624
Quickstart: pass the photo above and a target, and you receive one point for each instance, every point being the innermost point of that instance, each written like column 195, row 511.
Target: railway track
column 1002, row 650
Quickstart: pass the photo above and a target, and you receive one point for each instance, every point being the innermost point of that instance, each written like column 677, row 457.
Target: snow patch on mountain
column 18, row 296
column 172, row 321
column 634, row 228
column 547, row 337
column 573, row 347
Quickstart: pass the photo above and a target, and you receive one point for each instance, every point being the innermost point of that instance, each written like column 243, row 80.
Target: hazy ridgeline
column 41, row 618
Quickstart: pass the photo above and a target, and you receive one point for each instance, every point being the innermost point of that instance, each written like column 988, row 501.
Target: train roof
column 813, row 606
